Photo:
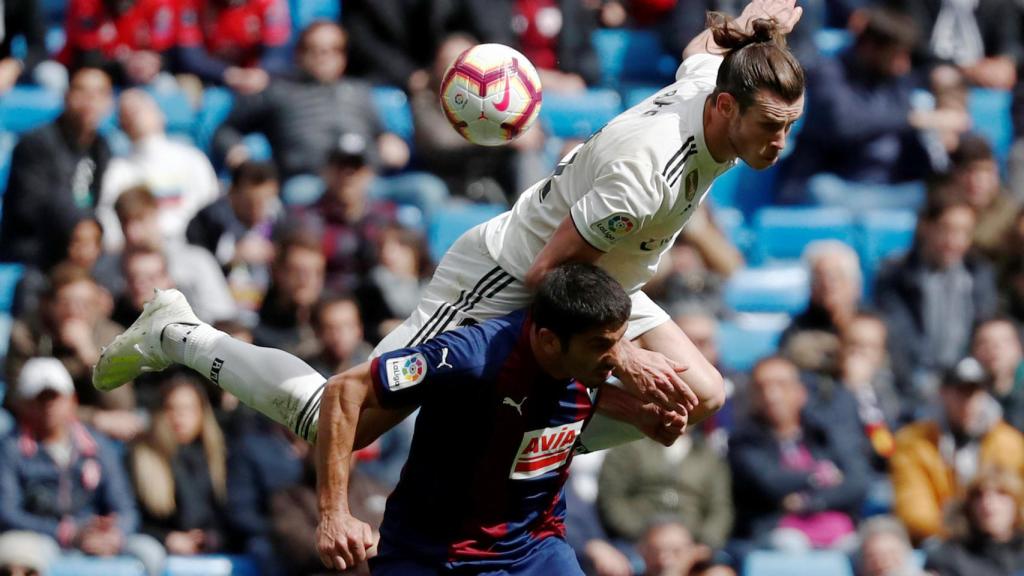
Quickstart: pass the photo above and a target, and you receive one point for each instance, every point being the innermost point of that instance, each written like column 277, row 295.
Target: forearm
column 339, row 416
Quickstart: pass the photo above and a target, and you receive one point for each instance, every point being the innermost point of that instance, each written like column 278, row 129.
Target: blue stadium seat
column 177, row 110
column 745, row 189
column 53, row 11
column 632, row 56
column 991, row 113
column 733, row 225
column 259, row 147
column 446, row 227
column 818, row 563
column 783, row 233
column 305, row 12
column 883, row 233
column 637, row 94
column 10, row 274
column 55, row 39
column 776, row 288
column 579, row 115
column 27, row 107
column 91, row 566
column 394, row 111
column 832, row 41
column 748, row 338
column 216, row 106
column 212, row 565
column 302, row 190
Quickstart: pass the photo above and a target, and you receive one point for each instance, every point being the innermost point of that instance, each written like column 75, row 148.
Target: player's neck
column 716, row 134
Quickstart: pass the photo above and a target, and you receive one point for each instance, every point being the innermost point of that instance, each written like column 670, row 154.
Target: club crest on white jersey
column 545, row 450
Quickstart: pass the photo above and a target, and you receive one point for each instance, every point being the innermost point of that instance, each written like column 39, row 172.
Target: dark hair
column 326, row 302
column 296, row 240
column 65, row 274
column 941, row 198
column 972, row 148
column 886, row 27
column 574, row 298
column 998, row 319
column 758, row 60
column 252, row 173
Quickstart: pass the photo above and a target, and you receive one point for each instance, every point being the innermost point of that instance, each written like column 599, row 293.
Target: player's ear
column 549, row 341
column 727, row 105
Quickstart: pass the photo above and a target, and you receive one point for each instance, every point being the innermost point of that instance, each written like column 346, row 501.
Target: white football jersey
column 630, row 188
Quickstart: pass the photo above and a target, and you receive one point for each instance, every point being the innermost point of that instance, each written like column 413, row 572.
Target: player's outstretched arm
column 785, row 12
column 342, row 540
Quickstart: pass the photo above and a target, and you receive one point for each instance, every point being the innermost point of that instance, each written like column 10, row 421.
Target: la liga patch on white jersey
column 405, row 371
column 544, row 450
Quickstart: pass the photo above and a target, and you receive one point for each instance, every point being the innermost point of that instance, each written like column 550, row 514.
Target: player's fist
column 344, row 541
column 653, row 377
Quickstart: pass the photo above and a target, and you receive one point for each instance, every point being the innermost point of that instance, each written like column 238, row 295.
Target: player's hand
column 653, row 377
column 344, row 541
column 662, row 426
column 785, row 12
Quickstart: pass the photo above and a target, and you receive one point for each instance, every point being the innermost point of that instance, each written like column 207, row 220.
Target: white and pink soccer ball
column 491, row 94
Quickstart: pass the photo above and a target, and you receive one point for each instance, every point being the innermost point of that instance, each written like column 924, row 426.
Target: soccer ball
column 491, row 94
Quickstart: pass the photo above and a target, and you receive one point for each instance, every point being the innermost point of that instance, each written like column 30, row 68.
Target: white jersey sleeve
column 699, row 68
column 621, row 202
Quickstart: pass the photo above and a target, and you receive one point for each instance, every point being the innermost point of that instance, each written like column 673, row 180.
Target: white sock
column 271, row 381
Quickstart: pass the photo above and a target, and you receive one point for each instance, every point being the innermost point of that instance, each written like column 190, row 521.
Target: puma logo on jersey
column 444, row 359
column 517, row 405
column 545, row 450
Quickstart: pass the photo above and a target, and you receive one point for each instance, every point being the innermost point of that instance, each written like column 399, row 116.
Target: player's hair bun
column 730, row 37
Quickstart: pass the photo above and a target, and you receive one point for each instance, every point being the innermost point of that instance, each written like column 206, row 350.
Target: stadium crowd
column 880, row 420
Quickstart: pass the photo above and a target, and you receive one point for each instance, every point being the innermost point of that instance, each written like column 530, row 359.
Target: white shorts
column 468, row 287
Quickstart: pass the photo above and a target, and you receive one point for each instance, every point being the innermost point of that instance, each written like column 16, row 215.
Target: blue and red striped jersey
column 491, row 451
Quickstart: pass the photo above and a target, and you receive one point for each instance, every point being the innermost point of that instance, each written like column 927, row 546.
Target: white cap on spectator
column 41, row 374
column 26, row 550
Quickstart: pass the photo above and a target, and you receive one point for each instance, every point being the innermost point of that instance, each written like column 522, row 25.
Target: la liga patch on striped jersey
column 544, row 450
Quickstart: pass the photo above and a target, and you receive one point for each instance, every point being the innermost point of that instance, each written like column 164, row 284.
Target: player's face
column 588, row 358
column 758, row 134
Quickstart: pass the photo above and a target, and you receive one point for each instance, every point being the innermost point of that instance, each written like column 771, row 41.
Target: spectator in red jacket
column 238, row 43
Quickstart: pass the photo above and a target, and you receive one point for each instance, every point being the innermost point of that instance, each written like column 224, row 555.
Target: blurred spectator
column 931, row 297
column 295, row 515
column 25, row 554
column 668, row 549
column 85, row 246
column 237, row 229
column 982, row 37
column 811, row 340
column 286, row 316
column 391, row 291
column 584, row 531
column 460, row 163
column 236, row 43
column 687, row 481
column 863, row 369
column 997, row 346
column 975, row 176
column 796, row 481
column 715, row 248
column 179, row 470
column 191, row 268
column 701, row 327
column 347, row 221
column 144, row 270
column 687, row 280
column 266, row 459
column 950, row 118
column 934, row 459
column 885, row 549
column 179, row 175
column 63, row 481
column 1011, row 269
column 56, row 172
column 340, row 332
column 133, row 40
column 1016, row 161
column 393, row 40
column 72, row 325
column 989, row 540
column 858, row 124
column 304, row 118
column 553, row 34
column 20, row 18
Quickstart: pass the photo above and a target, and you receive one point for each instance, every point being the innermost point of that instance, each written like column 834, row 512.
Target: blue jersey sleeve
column 461, row 357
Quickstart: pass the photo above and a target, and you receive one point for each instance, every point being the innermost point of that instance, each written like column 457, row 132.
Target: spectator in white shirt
column 179, row 175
